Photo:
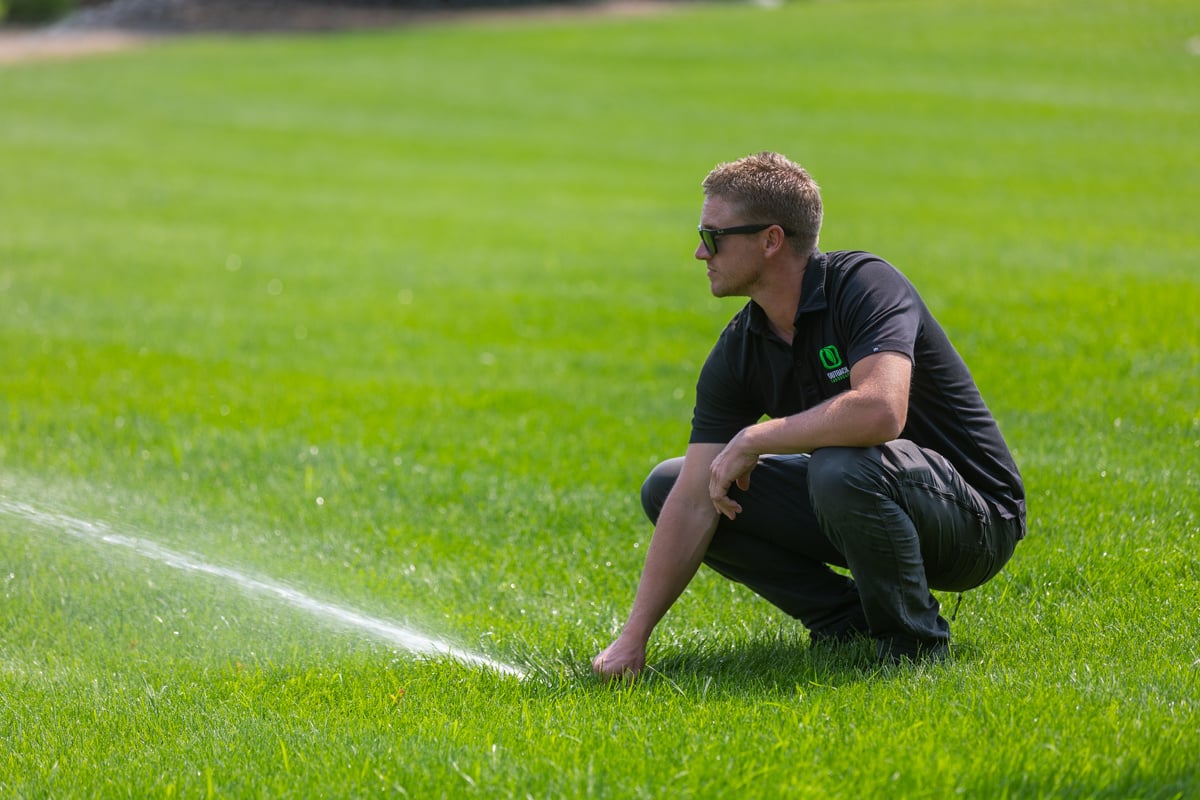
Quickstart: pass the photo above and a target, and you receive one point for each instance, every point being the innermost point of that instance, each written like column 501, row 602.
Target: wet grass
column 402, row 319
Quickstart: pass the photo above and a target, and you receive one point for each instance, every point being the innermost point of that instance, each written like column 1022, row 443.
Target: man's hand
column 732, row 465
column 621, row 660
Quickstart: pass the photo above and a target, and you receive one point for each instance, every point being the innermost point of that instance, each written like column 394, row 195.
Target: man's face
column 735, row 269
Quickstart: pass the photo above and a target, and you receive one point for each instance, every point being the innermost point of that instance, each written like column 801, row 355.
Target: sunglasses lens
column 710, row 242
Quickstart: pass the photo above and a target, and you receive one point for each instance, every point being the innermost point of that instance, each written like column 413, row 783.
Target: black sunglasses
column 709, row 235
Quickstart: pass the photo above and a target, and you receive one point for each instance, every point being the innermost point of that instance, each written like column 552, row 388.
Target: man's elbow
column 886, row 422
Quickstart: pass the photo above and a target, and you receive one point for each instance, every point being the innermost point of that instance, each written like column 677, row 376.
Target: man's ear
column 774, row 241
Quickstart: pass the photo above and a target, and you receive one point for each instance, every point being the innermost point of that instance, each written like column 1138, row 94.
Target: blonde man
column 877, row 452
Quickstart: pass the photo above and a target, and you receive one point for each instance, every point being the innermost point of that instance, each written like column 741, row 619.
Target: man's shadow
column 775, row 665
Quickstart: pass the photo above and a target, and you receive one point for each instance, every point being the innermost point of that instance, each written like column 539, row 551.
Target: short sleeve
column 878, row 310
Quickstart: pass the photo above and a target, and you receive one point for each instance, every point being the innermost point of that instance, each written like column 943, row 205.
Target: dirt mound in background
column 182, row 16
column 118, row 24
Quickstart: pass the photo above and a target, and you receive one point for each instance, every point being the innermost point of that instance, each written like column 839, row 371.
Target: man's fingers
column 626, row 675
column 718, row 492
column 718, row 484
column 727, row 507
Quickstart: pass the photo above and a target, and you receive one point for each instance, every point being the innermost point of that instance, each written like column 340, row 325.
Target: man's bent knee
column 658, row 485
column 837, row 474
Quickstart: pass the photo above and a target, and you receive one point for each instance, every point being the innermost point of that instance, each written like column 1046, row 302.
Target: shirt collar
column 812, row 289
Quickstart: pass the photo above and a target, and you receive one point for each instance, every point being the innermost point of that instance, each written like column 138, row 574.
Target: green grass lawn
column 402, row 319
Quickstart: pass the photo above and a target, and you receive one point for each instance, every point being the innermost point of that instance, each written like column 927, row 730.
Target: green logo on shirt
column 830, row 357
column 831, row 360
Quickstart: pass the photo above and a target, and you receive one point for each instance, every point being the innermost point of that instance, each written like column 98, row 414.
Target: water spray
column 380, row 629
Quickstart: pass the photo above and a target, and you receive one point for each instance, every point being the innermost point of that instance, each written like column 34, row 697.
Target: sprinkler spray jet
column 389, row 632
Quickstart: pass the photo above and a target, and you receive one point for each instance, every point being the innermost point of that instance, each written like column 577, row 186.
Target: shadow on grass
column 776, row 663
column 766, row 665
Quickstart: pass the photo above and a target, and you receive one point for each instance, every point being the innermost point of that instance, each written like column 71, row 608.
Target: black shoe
column 895, row 651
column 837, row 637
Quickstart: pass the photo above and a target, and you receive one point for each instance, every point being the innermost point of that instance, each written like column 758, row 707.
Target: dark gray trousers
column 900, row 517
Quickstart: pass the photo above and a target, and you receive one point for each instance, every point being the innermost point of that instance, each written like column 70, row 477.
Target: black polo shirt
column 853, row 304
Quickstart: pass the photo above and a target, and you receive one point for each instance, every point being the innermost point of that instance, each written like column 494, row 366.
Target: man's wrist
column 635, row 631
column 747, row 441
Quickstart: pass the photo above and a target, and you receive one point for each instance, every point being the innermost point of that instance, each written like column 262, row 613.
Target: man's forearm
column 681, row 537
column 676, row 551
column 872, row 412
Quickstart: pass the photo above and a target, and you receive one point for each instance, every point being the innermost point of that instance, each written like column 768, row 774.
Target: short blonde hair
column 768, row 187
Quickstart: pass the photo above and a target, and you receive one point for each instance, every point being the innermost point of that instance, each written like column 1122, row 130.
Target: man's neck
column 781, row 297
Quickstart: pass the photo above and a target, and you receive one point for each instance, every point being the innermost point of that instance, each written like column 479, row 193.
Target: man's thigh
column 778, row 508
